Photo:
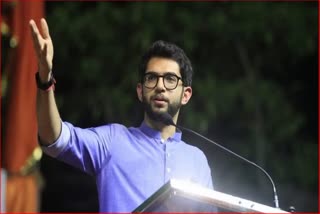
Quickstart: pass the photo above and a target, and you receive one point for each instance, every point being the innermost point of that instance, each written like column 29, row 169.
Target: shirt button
column 168, row 170
column 168, row 154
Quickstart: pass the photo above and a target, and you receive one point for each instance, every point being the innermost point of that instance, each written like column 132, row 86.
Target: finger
column 45, row 28
column 43, row 56
column 44, row 59
column 33, row 26
column 35, row 35
column 45, row 49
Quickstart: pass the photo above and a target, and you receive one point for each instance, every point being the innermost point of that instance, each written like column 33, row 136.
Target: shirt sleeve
column 207, row 182
column 85, row 149
column 57, row 147
column 206, row 177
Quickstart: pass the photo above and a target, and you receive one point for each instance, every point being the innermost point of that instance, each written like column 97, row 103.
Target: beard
column 154, row 113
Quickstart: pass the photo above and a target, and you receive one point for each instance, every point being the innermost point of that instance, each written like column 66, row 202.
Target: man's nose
column 160, row 84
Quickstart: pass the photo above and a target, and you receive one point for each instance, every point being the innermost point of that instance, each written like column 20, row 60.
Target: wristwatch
column 47, row 85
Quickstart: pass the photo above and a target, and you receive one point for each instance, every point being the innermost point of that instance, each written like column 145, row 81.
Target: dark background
column 255, row 89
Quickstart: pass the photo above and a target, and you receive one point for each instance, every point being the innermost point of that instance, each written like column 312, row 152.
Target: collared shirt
column 129, row 164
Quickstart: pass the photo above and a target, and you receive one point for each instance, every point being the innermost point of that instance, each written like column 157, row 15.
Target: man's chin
column 159, row 110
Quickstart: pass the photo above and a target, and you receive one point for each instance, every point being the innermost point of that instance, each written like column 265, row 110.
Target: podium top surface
column 184, row 196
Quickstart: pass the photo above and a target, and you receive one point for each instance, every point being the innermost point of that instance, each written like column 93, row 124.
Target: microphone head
column 166, row 118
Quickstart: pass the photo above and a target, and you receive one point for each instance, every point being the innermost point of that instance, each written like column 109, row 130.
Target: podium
column 184, row 196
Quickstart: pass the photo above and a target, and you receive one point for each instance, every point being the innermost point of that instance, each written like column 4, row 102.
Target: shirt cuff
column 58, row 146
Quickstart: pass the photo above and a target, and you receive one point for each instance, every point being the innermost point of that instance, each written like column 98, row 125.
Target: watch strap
column 47, row 86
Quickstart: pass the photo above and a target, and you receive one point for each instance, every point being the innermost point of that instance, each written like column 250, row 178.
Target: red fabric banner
column 20, row 126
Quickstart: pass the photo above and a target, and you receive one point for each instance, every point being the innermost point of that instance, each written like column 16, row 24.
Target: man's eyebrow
column 167, row 72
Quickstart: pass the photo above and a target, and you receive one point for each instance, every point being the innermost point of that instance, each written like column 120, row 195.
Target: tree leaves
column 245, row 57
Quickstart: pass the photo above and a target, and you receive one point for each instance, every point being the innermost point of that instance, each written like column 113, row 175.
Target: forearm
column 49, row 122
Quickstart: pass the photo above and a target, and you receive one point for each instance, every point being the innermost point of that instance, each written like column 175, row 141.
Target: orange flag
column 20, row 126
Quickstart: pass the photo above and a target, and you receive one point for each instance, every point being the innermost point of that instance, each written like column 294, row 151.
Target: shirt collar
column 153, row 133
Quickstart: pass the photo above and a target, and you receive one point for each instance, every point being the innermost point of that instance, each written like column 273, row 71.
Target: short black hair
column 171, row 51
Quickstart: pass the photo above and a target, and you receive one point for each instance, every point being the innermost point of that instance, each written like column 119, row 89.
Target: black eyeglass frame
column 163, row 79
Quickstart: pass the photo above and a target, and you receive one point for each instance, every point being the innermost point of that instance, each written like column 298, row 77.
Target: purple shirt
column 129, row 164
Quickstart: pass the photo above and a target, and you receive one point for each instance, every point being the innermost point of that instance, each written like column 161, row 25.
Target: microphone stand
column 167, row 119
column 276, row 200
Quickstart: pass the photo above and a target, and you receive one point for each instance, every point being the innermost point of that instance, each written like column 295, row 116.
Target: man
column 129, row 164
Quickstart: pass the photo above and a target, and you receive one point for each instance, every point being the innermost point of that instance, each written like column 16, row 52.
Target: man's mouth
column 159, row 100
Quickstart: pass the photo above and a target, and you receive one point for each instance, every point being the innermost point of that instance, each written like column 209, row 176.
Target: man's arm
column 49, row 122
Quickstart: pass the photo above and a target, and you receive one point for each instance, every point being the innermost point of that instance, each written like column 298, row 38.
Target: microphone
column 167, row 120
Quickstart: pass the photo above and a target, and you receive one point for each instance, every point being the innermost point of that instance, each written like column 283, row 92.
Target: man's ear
column 139, row 91
column 187, row 93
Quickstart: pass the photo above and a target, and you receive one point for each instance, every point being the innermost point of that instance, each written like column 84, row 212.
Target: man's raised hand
column 43, row 47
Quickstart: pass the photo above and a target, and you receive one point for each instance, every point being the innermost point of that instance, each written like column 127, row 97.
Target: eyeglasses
column 170, row 81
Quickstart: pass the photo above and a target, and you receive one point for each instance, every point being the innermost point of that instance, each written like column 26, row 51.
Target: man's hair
column 169, row 51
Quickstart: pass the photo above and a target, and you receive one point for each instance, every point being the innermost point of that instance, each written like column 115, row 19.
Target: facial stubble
column 172, row 108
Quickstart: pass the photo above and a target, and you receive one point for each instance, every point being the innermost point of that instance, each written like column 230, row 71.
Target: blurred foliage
column 255, row 63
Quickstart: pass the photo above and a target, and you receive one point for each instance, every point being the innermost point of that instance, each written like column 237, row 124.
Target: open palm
column 43, row 47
